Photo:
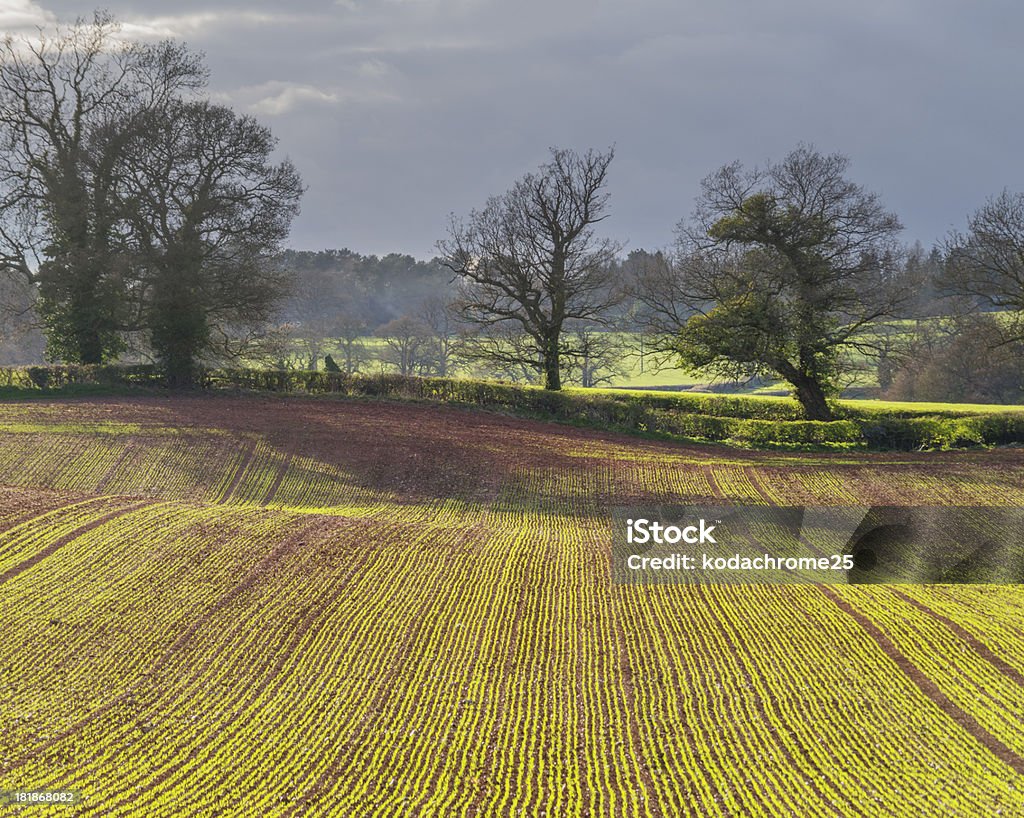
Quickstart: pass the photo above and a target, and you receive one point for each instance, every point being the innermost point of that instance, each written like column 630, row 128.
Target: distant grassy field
column 931, row 407
column 636, row 371
column 652, row 377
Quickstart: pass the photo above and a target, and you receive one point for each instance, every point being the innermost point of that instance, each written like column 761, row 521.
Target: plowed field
column 289, row 607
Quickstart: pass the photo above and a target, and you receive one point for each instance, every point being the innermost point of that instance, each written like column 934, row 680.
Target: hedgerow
column 743, row 420
column 738, row 419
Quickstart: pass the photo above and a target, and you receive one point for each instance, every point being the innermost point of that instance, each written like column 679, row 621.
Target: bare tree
column 960, row 358
column 530, row 261
column 437, row 314
column 312, row 335
column 987, row 263
column 349, row 330
column 594, row 356
column 313, row 302
column 660, row 306
column 20, row 339
column 408, row 345
column 500, row 351
column 783, row 269
column 661, row 302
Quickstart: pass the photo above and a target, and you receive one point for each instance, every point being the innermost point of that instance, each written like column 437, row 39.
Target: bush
column 39, row 375
column 942, row 432
column 765, row 433
column 736, row 406
column 59, row 376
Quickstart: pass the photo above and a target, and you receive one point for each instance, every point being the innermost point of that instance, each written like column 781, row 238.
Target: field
column 632, row 373
column 300, row 607
column 631, row 370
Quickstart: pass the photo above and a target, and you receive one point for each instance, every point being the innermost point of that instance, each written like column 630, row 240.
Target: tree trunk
column 88, row 344
column 179, row 330
column 82, row 317
column 812, row 398
column 552, row 365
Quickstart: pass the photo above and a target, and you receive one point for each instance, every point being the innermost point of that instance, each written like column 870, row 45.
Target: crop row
column 21, row 542
column 209, row 468
column 270, row 663
column 820, row 721
column 249, row 469
column 127, row 590
column 993, row 613
column 968, row 679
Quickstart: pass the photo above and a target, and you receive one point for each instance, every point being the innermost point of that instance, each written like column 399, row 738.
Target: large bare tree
column 531, row 260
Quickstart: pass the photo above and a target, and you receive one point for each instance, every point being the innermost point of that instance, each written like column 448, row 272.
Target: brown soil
column 443, row 451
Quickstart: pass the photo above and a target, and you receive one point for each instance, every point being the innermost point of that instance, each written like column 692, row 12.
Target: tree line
column 140, row 220
column 789, row 271
column 142, row 216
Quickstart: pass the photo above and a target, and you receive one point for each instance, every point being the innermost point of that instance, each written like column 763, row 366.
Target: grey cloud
column 399, row 111
column 18, row 16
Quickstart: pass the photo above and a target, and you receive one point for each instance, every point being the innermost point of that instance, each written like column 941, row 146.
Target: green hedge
column 735, row 419
column 62, row 375
column 726, row 406
column 764, row 433
column 943, row 432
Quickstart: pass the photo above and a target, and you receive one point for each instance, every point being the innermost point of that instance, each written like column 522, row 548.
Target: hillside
column 289, row 606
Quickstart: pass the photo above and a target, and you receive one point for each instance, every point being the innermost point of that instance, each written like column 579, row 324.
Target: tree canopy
column 987, row 262
column 782, row 268
column 60, row 97
column 135, row 207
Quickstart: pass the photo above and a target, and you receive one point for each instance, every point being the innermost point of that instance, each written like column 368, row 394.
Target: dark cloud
column 399, row 111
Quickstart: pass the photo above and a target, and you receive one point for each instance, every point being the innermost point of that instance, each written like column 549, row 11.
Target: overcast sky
column 398, row 112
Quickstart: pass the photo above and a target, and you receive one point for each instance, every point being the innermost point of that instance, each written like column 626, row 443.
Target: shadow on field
column 417, row 452
column 420, row 453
